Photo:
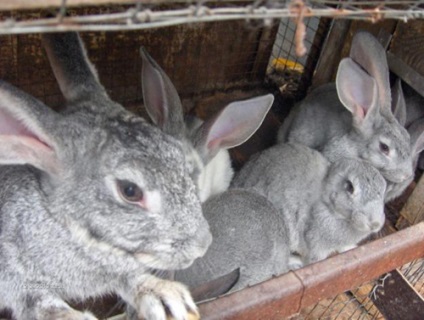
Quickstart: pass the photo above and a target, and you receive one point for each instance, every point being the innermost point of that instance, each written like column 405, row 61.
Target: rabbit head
column 207, row 141
column 354, row 190
column 363, row 89
column 416, row 131
column 120, row 181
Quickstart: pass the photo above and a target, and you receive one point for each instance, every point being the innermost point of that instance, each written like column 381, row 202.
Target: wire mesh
column 139, row 15
column 290, row 72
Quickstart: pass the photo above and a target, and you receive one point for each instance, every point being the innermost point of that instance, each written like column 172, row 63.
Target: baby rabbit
column 91, row 200
column 248, row 233
column 326, row 206
column 352, row 118
column 210, row 140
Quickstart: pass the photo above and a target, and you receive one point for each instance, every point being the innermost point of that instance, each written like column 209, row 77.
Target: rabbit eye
column 349, row 186
column 384, row 148
column 130, row 191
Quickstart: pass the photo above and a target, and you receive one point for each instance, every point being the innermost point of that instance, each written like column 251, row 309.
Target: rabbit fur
column 209, row 139
column 248, row 233
column 352, row 117
column 327, row 207
column 68, row 222
column 407, row 109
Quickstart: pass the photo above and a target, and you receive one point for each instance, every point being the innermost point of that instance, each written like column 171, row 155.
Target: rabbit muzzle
column 180, row 253
column 370, row 220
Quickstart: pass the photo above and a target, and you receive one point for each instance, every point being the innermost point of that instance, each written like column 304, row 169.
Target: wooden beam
column 6, row 5
column 397, row 299
column 413, row 210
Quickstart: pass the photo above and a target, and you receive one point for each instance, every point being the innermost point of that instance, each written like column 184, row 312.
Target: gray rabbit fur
column 210, row 139
column 409, row 110
column 327, row 207
column 92, row 199
column 352, row 117
column 248, row 233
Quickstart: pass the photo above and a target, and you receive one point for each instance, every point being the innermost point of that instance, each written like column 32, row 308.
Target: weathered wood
column 407, row 73
column 397, row 299
column 44, row 4
column 413, row 210
column 407, row 44
column 330, row 54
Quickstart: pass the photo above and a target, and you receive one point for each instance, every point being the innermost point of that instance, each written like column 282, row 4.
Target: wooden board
column 408, row 44
column 397, row 299
column 413, row 210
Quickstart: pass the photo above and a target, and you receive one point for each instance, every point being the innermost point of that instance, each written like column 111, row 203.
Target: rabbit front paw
column 163, row 299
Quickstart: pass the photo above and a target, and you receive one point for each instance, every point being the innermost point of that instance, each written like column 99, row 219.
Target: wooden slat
column 407, row 44
column 413, row 210
column 330, row 54
column 397, row 299
column 6, row 5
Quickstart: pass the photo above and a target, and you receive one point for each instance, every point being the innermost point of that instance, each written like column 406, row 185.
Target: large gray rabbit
column 210, row 140
column 248, row 233
column 327, row 207
column 91, row 200
column 352, row 117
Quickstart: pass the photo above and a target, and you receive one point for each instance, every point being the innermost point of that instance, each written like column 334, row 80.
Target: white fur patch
column 215, row 176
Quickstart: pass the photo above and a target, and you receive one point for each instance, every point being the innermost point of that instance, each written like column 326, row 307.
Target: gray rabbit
column 352, row 117
column 408, row 110
column 248, row 233
column 327, row 207
column 210, row 139
column 91, row 200
column 206, row 143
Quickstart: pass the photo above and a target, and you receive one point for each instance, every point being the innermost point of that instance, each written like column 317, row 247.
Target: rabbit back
column 248, row 234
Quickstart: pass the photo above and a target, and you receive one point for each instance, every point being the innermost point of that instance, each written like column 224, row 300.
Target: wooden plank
column 407, row 44
column 413, row 210
column 330, row 54
column 406, row 72
column 397, row 299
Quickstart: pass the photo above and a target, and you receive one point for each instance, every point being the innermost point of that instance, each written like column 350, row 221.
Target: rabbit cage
column 216, row 52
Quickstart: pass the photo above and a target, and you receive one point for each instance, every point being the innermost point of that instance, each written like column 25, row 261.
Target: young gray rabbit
column 91, row 200
column 210, row 139
column 352, row 118
column 248, row 233
column 327, row 207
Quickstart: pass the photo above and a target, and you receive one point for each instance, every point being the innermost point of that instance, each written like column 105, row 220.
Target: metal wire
column 139, row 17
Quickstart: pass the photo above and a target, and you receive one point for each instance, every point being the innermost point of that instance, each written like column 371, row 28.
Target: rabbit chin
column 153, row 261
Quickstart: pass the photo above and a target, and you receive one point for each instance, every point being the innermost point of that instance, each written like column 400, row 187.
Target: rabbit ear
column 398, row 102
column 161, row 99
column 232, row 126
column 371, row 56
column 357, row 91
column 416, row 132
column 75, row 74
column 26, row 128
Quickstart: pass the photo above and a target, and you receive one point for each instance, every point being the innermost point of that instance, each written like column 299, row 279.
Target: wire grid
column 414, row 273
column 286, row 69
column 153, row 15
